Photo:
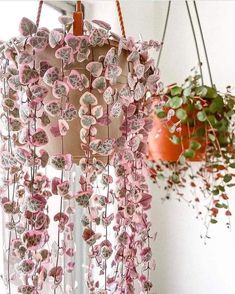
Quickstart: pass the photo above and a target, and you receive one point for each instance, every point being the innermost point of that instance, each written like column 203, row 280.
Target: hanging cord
column 204, row 45
column 164, row 32
column 39, row 12
column 120, row 17
column 195, row 40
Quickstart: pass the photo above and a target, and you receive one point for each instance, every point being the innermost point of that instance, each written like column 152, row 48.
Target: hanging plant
column 199, row 121
column 42, row 72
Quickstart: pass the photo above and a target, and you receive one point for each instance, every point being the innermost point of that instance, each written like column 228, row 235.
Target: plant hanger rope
column 203, row 42
column 164, row 32
column 120, row 17
column 195, row 41
column 39, row 12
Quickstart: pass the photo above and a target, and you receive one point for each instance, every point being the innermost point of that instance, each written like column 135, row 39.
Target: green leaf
column 161, row 114
column 195, row 145
column 175, row 102
column 175, row 139
column 175, row 91
column 181, row 114
column 217, row 105
column 211, row 93
column 232, row 165
column 189, row 153
column 213, row 221
column 211, row 137
column 201, row 116
column 201, row 91
column 227, row 178
column 175, row 178
column 200, row 132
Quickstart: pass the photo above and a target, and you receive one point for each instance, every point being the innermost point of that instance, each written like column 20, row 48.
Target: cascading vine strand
column 104, row 83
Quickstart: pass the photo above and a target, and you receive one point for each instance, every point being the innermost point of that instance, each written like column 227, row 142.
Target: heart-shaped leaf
column 134, row 56
column 97, row 111
column 111, row 57
column 52, row 108
column 139, row 91
column 112, row 72
column 65, row 20
column 126, row 96
column 50, row 76
column 14, row 83
column 116, row 109
column 139, row 71
column 39, row 92
column 43, row 67
column 27, row 75
column 39, row 138
column 25, row 57
column 70, row 112
column 73, row 42
column 38, row 43
column 65, row 54
column 99, row 84
column 88, row 99
column 27, row 27
column 63, row 127
column 60, row 89
column 102, row 24
column 55, row 38
column 87, row 121
column 95, row 68
column 97, row 37
column 108, row 95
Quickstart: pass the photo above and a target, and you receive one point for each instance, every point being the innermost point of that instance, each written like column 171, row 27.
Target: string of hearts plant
column 200, row 119
column 26, row 115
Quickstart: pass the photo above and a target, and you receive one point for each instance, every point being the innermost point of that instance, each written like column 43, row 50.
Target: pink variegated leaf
column 88, row 99
column 85, row 81
column 60, row 89
column 130, row 110
column 65, row 20
column 132, row 80
column 87, row 121
column 83, row 110
column 63, row 127
column 106, row 148
column 27, row 75
column 38, row 43
column 97, row 111
column 139, row 70
column 61, row 161
column 111, row 57
column 116, row 109
column 27, row 27
column 93, row 131
column 152, row 83
column 7, row 160
column 55, row 38
column 99, row 84
column 39, row 138
column 83, row 135
column 70, row 112
column 25, row 57
column 112, row 72
column 74, row 80
column 134, row 56
column 139, row 91
column 97, row 37
column 126, row 96
column 55, row 130
column 8, row 103
column 108, row 95
column 50, row 76
column 73, row 42
column 95, row 68
column 34, row 239
column 88, row 25
column 14, row 83
column 52, row 108
column 65, row 54
column 43, row 67
column 45, row 120
column 102, row 24
column 39, row 92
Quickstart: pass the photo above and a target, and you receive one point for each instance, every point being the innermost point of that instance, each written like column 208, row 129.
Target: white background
column 184, row 264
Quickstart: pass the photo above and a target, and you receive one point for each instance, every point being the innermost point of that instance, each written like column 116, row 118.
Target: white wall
column 184, row 264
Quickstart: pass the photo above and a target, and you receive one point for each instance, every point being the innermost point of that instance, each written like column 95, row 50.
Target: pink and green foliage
column 25, row 187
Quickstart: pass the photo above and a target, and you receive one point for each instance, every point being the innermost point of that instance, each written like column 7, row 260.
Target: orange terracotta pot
column 160, row 147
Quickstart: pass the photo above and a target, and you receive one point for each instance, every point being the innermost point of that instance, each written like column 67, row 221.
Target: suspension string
column 120, row 17
column 195, row 40
column 164, row 32
column 204, row 44
column 39, row 12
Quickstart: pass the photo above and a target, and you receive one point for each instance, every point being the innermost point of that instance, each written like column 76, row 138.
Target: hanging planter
column 195, row 122
column 68, row 99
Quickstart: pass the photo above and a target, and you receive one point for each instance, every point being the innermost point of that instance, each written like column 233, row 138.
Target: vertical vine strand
column 203, row 43
column 120, row 17
column 164, row 32
column 39, row 13
column 195, row 41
